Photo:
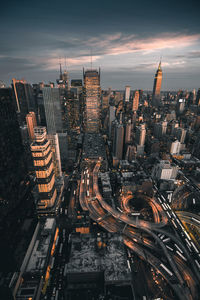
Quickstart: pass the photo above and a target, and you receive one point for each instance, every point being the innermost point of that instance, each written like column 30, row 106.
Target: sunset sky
column 126, row 38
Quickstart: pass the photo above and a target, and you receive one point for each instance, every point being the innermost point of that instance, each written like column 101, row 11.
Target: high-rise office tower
column 63, row 145
column 57, row 120
column 175, row 147
column 111, row 118
column 140, row 135
column 77, row 90
column 180, row 106
column 43, row 164
column 140, row 139
column 157, row 87
column 180, row 134
column 72, row 111
column 198, row 97
column 141, row 96
column 24, row 98
column 31, row 123
column 129, row 129
column 136, row 101
column 192, row 97
column 130, row 152
column 160, row 129
column 118, row 143
column 92, row 94
column 40, row 111
column 52, row 107
column 13, row 170
column 127, row 93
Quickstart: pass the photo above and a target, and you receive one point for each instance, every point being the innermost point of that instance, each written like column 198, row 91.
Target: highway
column 189, row 218
column 141, row 235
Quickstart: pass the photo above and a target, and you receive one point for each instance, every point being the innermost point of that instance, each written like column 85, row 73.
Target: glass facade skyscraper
column 92, row 92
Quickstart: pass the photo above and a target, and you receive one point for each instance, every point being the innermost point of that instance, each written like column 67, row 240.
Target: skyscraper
column 118, row 144
column 157, row 87
column 112, row 109
column 13, row 171
column 92, row 95
column 52, row 107
column 31, row 123
column 43, row 164
column 24, row 98
column 198, row 97
column 140, row 139
column 136, row 101
column 160, row 129
column 129, row 129
column 140, row 135
column 127, row 93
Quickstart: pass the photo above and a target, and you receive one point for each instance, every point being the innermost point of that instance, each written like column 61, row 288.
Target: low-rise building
column 35, row 269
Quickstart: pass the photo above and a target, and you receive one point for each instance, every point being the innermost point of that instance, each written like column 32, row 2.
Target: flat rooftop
column 85, row 257
column 38, row 257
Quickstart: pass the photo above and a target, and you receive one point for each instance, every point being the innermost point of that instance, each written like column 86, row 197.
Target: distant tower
column 136, row 101
column 129, row 129
column 140, row 134
column 43, row 164
column 92, row 91
column 198, row 97
column 127, row 93
column 112, row 109
column 31, row 123
column 140, row 139
column 118, row 143
column 25, row 102
column 63, row 81
column 157, row 87
column 160, row 129
column 52, row 108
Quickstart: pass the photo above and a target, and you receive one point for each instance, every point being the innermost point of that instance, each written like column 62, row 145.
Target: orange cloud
column 152, row 44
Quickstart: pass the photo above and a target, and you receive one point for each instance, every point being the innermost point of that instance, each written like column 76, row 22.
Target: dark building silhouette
column 12, row 166
column 198, row 98
column 24, row 98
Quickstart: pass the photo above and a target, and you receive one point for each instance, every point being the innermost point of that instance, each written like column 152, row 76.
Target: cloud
column 111, row 51
column 52, row 63
column 124, row 44
column 194, row 54
column 78, row 50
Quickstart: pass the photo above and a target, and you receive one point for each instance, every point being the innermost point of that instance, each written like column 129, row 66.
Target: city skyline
column 126, row 41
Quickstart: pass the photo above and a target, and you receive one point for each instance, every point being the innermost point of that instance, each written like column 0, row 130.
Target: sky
column 127, row 39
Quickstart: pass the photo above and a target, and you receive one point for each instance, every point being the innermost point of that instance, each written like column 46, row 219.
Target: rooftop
column 85, row 257
column 37, row 259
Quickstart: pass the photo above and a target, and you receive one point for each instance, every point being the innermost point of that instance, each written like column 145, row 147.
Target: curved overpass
column 131, row 228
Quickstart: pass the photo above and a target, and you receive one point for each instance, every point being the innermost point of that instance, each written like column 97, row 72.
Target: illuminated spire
column 159, row 66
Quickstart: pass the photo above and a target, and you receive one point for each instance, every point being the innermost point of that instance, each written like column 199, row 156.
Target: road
column 162, row 244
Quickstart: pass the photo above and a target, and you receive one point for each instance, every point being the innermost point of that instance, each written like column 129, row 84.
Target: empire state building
column 157, row 87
